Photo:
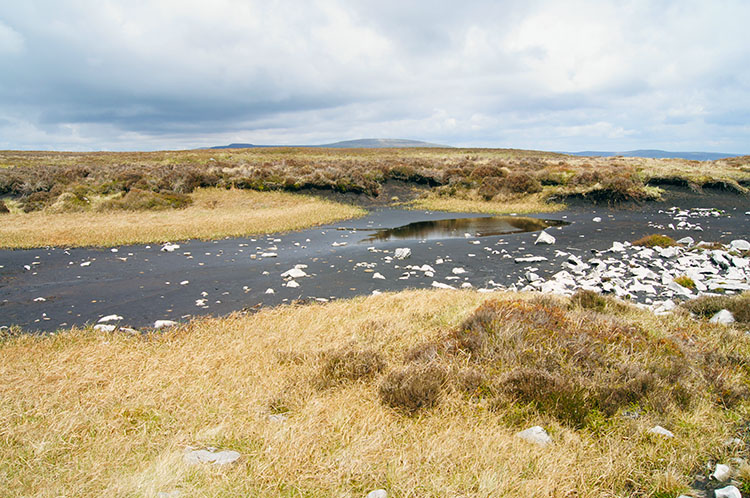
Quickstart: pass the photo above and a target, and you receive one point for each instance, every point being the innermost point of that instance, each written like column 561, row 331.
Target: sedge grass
column 526, row 204
column 90, row 414
column 215, row 213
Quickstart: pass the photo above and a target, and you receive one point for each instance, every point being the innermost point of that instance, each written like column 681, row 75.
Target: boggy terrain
column 445, row 392
column 61, row 182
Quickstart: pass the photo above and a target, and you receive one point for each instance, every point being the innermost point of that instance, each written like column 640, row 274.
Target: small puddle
column 458, row 227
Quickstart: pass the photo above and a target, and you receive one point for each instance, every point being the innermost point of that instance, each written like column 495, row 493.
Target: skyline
column 544, row 75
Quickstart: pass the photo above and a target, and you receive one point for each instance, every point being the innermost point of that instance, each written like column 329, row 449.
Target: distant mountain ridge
column 362, row 143
column 657, row 154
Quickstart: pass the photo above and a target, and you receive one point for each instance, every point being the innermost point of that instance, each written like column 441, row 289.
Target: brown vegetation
column 655, row 240
column 708, row 306
column 38, row 180
column 85, row 413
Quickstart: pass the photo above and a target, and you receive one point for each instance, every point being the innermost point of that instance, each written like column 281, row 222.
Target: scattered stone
column 110, row 318
column 458, row 271
column 440, row 285
column 268, row 255
column 211, row 456
column 160, row 324
column 39, row 299
column 402, row 253
column 466, row 285
column 104, row 327
column 536, row 435
column 86, row 263
column 294, row 273
column 723, row 316
column 270, row 291
column 185, row 282
column 597, row 219
column 661, row 431
column 169, row 247
column 292, row 284
column 545, row 238
column 721, row 473
column 531, row 259
column 378, row 493
column 740, row 245
column 378, row 276
column 728, row 492
column 337, row 244
column 688, row 241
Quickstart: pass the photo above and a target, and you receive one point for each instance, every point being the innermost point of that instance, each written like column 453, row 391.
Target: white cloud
column 572, row 75
column 11, row 42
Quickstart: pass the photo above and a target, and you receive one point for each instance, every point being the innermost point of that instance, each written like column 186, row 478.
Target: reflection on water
column 458, row 227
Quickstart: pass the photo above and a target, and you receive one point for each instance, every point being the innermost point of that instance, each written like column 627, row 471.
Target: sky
column 532, row 74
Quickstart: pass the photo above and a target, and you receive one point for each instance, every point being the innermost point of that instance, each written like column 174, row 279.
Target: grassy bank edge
column 214, row 214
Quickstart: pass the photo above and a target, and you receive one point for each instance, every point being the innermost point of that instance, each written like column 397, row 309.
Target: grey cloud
column 510, row 73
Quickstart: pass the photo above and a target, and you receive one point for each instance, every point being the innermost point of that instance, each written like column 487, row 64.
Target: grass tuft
column 655, row 240
column 351, row 364
column 414, row 387
column 708, row 306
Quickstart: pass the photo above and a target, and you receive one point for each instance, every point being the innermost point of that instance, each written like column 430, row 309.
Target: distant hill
column 657, row 154
column 379, row 143
column 363, row 143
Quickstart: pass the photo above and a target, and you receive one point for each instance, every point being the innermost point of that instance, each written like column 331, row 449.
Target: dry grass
column 91, row 414
column 37, row 180
column 214, row 213
column 655, row 240
column 532, row 203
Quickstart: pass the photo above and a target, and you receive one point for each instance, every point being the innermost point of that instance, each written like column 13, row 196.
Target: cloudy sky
column 551, row 75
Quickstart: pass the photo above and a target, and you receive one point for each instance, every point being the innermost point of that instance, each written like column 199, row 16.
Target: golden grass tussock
column 90, row 414
column 213, row 213
column 521, row 204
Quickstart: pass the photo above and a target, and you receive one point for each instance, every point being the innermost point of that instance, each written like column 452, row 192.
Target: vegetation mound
column 417, row 392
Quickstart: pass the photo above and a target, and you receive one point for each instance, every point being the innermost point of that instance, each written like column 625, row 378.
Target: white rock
column 545, row 238
column 440, row 285
column 292, row 284
column 378, row 493
column 723, row 316
column 402, row 253
column 466, row 285
column 39, row 299
column 110, row 318
column 740, row 245
column 105, row 328
column 689, row 241
column 294, row 273
column 185, row 282
column 86, row 263
column 458, row 271
column 427, row 268
column 378, row 276
column 169, row 247
column 530, row 259
column 536, row 435
column 661, row 431
column 201, row 302
column 160, row 324
column 596, row 219
column 728, row 492
column 617, row 247
column 337, row 244
column 270, row 291
column 216, row 458
column 268, row 255
column 721, row 473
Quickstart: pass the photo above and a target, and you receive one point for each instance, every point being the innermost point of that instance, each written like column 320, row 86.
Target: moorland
column 417, row 392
